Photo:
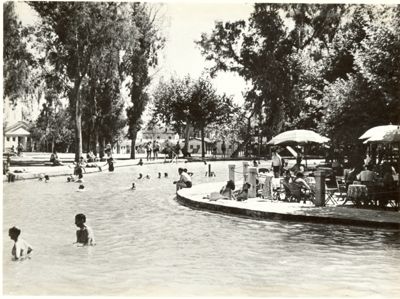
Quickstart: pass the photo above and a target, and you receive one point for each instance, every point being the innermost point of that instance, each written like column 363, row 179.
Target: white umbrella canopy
column 378, row 131
column 388, row 136
column 298, row 137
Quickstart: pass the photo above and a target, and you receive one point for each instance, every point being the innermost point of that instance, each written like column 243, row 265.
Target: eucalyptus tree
column 18, row 61
column 103, row 110
column 139, row 60
column 75, row 33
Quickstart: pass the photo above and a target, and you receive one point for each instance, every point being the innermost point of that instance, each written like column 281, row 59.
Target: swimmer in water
column 80, row 178
column 165, row 175
column 159, row 175
column 133, row 186
column 21, row 248
column 140, row 176
column 147, row 177
column 46, row 178
column 84, row 235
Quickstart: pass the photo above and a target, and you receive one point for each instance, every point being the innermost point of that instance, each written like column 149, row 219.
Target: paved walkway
column 259, row 208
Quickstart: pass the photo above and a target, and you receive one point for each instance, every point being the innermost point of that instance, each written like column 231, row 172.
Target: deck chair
column 295, row 193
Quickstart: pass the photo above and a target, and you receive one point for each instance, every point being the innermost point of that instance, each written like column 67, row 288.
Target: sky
column 183, row 24
column 187, row 23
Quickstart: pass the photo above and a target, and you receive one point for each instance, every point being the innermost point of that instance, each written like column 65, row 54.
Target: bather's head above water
column 14, row 233
column 80, row 220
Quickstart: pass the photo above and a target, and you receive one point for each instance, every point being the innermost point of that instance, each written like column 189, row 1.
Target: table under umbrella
column 298, row 137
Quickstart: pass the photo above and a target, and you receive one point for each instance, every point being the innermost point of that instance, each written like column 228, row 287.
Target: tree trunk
column 186, row 147
column 95, row 142
column 240, row 147
column 89, row 140
column 202, row 143
column 101, row 147
column 133, row 143
column 78, row 121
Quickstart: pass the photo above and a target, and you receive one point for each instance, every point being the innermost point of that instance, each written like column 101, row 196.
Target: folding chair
column 330, row 195
column 341, row 186
column 330, row 190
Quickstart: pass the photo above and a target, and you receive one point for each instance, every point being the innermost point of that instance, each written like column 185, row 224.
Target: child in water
column 84, row 235
column 21, row 248
column 110, row 163
column 80, row 178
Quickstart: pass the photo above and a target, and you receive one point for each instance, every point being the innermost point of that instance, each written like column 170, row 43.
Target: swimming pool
column 147, row 244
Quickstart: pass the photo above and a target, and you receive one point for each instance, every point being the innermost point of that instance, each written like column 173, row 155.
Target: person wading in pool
column 21, row 248
column 84, row 235
column 110, row 160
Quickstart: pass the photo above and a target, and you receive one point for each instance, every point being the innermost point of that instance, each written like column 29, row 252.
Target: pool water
column 148, row 244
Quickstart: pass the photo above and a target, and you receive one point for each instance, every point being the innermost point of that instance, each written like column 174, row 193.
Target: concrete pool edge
column 214, row 207
column 57, row 171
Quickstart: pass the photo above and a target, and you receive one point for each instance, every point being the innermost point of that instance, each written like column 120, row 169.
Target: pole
column 253, row 182
column 319, row 188
column 231, row 168
column 245, row 171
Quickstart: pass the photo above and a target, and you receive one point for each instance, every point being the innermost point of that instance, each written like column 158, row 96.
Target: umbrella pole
column 305, row 156
column 398, row 177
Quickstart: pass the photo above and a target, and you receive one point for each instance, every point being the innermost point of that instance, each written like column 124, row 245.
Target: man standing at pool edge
column 84, row 235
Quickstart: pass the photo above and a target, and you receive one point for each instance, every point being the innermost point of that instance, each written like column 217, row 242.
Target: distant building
column 16, row 118
column 158, row 132
column 195, row 145
column 17, row 133
column 149, row 133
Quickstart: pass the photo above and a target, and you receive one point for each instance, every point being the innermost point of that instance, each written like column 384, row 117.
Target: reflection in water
column 148, row 244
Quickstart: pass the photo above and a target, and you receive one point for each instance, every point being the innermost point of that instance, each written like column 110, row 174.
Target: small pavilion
column 17, row 133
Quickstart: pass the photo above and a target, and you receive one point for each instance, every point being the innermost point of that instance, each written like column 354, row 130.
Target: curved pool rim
column 263, row 215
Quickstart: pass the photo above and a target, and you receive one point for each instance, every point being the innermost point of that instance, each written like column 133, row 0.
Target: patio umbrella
column 378, row 131
column 391, row 135
column 300, row 137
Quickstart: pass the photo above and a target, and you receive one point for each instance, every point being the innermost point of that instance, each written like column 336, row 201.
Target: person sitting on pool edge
column 21, row 248
column 243, row 194
column 84, row 235
column 227, row 190
column 185, row 181
column 54, row 159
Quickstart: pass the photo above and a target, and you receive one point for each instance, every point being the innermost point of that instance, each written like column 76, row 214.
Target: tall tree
column 261, row 51
column 138, row 61
column 180, row 102
column 18, row 61
column 74, row 32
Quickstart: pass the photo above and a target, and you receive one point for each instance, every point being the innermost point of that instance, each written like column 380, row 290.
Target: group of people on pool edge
column 22, row 249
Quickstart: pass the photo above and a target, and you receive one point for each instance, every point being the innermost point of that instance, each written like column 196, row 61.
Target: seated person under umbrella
column 367, row 176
